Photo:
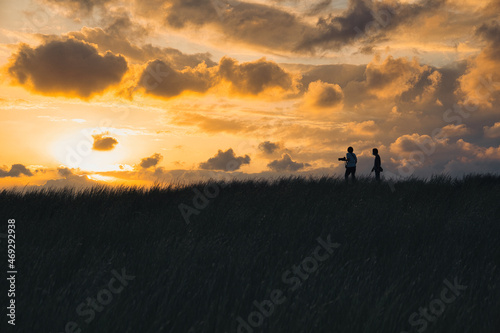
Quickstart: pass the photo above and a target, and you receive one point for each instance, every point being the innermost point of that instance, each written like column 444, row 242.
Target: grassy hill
column 254, row 257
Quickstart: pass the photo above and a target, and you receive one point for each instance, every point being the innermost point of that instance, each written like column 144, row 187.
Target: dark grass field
column 398, row 252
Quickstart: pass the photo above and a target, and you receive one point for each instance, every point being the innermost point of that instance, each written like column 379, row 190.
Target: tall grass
column 396, row 249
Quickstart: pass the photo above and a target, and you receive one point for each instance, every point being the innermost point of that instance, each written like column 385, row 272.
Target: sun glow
column 102, row 178
column 75, row 151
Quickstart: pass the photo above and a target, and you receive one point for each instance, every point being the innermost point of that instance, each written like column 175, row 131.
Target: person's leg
column 347, row 172
column 377, row 175
column 353, row 172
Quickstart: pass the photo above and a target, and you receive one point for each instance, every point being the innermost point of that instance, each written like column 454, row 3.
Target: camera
column 342, row 159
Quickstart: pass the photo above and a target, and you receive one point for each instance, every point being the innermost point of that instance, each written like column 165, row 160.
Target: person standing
column 377, row 166
column 350, row 166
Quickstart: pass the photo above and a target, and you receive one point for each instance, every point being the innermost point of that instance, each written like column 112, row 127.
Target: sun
column 75, row 151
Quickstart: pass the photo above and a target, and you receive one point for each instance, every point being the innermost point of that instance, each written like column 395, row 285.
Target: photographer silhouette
column 350, row 165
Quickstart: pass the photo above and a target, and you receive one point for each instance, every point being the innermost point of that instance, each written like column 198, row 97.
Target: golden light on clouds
column 87, row 97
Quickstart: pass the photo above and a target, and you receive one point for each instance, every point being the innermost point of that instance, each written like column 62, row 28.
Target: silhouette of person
column 377, row 166
column 350, row 166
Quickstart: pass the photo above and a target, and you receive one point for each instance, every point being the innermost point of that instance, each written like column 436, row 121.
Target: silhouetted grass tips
column 396, row 250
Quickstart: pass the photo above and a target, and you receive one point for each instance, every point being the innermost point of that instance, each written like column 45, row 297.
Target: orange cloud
column 213, row 125
column 103, row 142
column 482, row 81
column 491, row 153
column 394, row 76
column 454, row 130
column 492, row 131
column 80, row 7
column 413, row 143
column 323, row 97
column 361, row 129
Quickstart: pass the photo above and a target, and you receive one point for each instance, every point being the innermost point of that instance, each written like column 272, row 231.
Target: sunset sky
column 133, row 92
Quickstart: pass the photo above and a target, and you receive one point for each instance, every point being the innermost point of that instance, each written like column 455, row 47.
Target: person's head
column 375, row 151
column 350, row 150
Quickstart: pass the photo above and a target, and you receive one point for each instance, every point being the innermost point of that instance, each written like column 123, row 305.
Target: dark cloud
column 108, row 41
column 270, row 27
column 80, row 7
column 152, row 161
column 317, row 8
column 66, row 67
column 226, row 161
column 121, row 35
column 400, row 79
column 325, row 99
column 120, row 25
column 397, row 79
column 193, row 12
column 161, row 79
column 366, row 20
column 249, row 78
column 286, row 164
column 272, row 150
column 16, row 170
column 116, row 35
column 64, row 172
column 461, row 168
column 250, row 23
column 103, row 142
column 177, row 58
column 341, row 74
column 268, row 147
column 366, row 49
column 254, row 77
column 70, row 179
column 490, row 32
column 104, row 40
column 492, row 8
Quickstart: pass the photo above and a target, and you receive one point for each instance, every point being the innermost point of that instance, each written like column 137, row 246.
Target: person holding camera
column 350, row 165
